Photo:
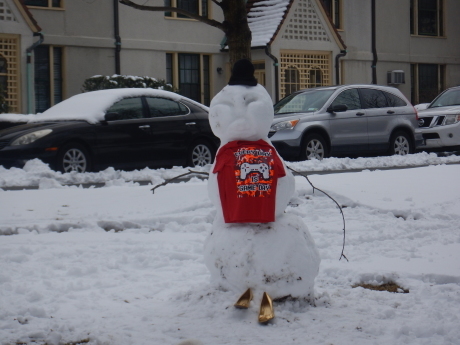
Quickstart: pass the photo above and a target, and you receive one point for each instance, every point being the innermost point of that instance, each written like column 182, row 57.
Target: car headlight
column 284, row 125
column 31, row 137
column 452, row 119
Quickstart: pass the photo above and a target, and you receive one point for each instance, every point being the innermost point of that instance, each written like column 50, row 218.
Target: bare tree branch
column 202, row 19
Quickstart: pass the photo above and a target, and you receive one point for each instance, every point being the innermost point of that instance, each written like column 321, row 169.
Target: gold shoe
column 266, row 312
column 243, row 301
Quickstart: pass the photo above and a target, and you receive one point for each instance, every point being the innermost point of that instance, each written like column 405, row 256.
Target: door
column 125, row 140
column 379, row 114
column 349, row 128
column 173, row 127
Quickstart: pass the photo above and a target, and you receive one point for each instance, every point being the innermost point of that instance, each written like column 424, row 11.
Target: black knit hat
column 243, row 73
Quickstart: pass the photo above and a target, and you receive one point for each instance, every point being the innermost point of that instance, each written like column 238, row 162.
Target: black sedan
column 121, row 128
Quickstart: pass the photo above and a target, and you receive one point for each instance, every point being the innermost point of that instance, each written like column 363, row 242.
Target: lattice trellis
column 9, row 52
column 305, row 25
column 304, row 70
column 5, row 12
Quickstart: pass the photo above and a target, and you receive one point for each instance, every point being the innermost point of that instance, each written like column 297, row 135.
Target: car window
column 309, row 101
column 450, row 97
column 394, row 101
column 165, row 107
column 350, row 98
column 127, row 109
column 372, row 98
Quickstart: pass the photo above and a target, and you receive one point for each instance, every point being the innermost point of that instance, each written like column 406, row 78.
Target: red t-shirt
column 248, row 173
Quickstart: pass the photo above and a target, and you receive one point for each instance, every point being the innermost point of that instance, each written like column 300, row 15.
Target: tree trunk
column 237, row 30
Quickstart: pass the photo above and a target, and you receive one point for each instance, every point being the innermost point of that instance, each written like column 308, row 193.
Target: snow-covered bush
column 116, row 81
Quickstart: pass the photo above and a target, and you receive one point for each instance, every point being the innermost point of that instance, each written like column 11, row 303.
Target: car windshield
column 451, row 97
column 305, row 102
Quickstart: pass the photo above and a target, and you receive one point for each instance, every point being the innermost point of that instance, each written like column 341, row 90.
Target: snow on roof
column 92, row 106
column 265, row 18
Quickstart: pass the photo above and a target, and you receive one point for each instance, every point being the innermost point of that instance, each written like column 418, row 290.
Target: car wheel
column 314, row 147
column 400, row 144
column 200, row 154
column 73, row 157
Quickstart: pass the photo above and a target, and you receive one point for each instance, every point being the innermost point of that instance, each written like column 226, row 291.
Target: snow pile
column 120, row 265
column 34, row 170
column 16, row 117
column 91, row 106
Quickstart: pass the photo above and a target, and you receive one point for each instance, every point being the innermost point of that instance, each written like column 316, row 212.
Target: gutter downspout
column 374, row 49
column 29, row 71
column 116, row 22
column 337, row 67
column 275, row 63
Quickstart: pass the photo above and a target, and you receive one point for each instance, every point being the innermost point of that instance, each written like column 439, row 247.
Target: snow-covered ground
column 119, row 265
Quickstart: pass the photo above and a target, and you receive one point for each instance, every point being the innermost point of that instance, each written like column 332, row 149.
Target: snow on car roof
column 92, row 106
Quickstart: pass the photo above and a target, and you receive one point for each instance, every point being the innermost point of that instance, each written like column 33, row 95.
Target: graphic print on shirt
column 254, row 171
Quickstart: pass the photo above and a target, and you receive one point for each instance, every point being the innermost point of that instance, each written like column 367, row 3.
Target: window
column 44, row 3
column 427, row 17
column 259, row 71
column 291, row 80
column 303, row 70
column 394, row 101
column 350, row 98
column 315, row 78
column 48, row 77
column 190, row 74
column 333, row 8
column 199, row 7
column 165, row 107
column 427, row 81
column 372, row 98
column 128, row 109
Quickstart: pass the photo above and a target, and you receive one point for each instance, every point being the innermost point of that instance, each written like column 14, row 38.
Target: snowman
column 255, row 249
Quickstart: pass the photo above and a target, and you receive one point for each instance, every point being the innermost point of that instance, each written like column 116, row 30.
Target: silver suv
column 440, row 121
column 344, row 120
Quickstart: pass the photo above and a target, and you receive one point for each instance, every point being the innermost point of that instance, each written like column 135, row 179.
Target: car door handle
column 359, row 114
column 144, row 126
column 390, row 112
column 190, row 124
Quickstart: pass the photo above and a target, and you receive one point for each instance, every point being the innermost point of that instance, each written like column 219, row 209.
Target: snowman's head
column 242, row 110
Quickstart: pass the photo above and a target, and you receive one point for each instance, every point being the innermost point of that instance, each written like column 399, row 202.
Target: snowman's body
column 276, row 255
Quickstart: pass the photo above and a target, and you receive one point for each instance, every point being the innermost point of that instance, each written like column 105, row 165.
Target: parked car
column 344, row 120
column 120, row 128
column 439, row 121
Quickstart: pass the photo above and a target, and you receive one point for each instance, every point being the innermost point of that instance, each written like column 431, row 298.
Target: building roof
column 28, row 17
column 265, row 18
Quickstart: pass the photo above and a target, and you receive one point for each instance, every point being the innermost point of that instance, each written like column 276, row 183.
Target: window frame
column 173, row 70
column 175, row 15
column 440, row 19
column 415, row 81
column 336, row 13
column 52, row 80
column 305, row 61
column 49, row 6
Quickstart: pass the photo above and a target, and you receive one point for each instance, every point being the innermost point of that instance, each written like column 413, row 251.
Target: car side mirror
column 421, row 106
column 111, row 117
column 337, row 108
